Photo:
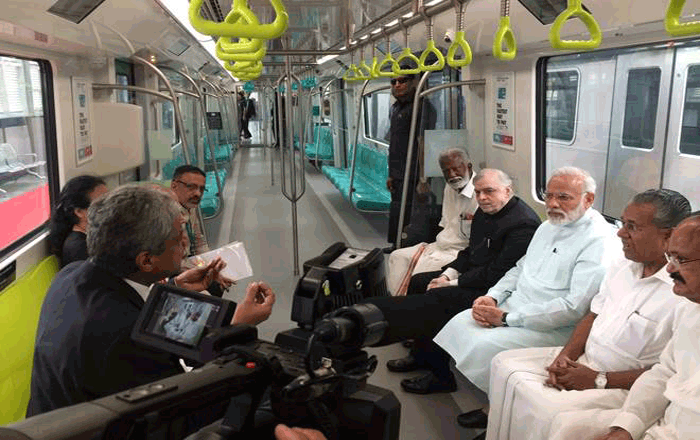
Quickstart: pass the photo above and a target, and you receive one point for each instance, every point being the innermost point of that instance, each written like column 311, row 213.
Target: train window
column 561, row 97
column 377, row 116
column 640, row 108
column 690, row 129
column 27, row 145
column 125, row 76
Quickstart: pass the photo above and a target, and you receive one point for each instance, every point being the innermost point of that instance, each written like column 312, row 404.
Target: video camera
column 251, row 385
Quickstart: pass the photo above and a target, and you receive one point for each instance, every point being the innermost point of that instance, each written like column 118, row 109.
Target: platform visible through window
column 640, row 108
column 24, row 187
column 561, row 97
column 690, row 127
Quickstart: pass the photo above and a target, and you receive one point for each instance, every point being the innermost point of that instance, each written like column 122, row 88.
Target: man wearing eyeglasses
column 619, row 339
column 663, row 402
column 189, row 185
column 403, row 89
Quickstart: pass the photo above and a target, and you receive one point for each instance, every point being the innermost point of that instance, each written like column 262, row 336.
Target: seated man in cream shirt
column 620, row 338
column 458, row 207
column 664, row 402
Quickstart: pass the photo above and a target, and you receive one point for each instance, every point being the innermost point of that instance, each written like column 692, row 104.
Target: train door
column 682, row 158
column 637, row 126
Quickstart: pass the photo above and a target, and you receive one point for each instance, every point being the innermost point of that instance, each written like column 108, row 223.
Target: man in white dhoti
column 458, row 207
column 538, row 302
column 621, row 337
column 664, row 402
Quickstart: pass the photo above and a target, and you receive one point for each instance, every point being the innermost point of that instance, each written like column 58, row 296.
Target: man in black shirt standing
column 403, row 89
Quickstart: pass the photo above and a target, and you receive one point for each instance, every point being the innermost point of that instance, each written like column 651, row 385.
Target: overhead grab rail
column 673, row 24
column 504, row 35
column 575, row 9
column 430, row 47
column 459, row 43
column 231, row 26
column 406, row 55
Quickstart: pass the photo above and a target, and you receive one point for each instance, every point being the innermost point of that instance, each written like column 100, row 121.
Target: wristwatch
column 503, row 319
column 601, row 380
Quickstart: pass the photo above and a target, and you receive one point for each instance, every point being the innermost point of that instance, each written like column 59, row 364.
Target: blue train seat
column 324, row 136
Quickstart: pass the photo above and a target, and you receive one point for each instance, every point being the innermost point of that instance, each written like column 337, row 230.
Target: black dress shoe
column 429, row 383
column 481, row 436
column 404, row 365
column 473, row 419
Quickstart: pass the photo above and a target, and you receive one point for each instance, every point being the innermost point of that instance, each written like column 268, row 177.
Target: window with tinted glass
column 377, row 116
column 690, row 127
column 27, row 149
column 640, row 108
column 561, row 96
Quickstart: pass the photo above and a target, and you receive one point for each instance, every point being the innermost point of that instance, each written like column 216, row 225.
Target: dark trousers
column 244, row 128
column 395, row 209
column 421, row 316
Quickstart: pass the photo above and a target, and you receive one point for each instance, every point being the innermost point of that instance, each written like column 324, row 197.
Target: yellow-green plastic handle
column 406, row 55
column 673, row 21
column 386, row 73
column 244, row 67
column 352, row 73
column 244, row 45
column 504, row 34
column 430, row 48
column 236, row 29
column 575, row 10
column 375, row 68
column 364, row 71
column 252, row 56
column 459, row 43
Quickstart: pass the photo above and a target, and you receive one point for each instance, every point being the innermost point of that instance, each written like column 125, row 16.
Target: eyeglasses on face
column 678, row 261
column 402, row 80
column 192, row 186
column 559, row 197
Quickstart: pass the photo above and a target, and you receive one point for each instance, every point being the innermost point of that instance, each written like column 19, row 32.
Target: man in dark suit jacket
column 83, row 347
column 501, row 231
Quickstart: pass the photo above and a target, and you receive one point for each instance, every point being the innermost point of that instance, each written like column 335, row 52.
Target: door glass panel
column 640, row 108
column 561, row 97
column 690, row 128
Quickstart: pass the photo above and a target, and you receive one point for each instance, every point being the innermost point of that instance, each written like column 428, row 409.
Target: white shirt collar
column 139, row 288
column 468, row 190
column 661, row 274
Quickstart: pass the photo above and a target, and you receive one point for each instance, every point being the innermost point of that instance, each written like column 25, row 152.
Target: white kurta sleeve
column 506, row 285
column 565, row 310
column 646, row 402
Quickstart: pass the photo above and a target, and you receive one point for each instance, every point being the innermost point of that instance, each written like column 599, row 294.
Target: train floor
column 256, row 213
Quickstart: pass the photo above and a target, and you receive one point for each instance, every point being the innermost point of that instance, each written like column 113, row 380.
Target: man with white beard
column 539, row 301
column 458, row 207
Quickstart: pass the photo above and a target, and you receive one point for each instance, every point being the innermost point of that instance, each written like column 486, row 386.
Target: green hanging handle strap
column 244, row 45
column 673, row 23
column 459, row 43
column 388, row 59
column 365, row 71
column 504, row 34
column 244, row 67
column 235, row 29
column 375, row 68
column 575, row 10
column 406, row 54
column 430, row 48
column 253, row 56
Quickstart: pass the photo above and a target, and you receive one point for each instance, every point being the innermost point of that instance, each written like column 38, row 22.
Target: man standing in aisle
column 403, row 89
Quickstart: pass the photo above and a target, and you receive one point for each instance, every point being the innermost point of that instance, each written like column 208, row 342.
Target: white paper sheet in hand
column 236, row 258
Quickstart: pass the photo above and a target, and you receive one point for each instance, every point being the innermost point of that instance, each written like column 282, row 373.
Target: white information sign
column 504, row 121
column 81, row 118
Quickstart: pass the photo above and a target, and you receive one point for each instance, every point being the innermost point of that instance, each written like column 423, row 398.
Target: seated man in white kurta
column 620, row 338
column 664, row 402
column 539, row 301
column 458, row 207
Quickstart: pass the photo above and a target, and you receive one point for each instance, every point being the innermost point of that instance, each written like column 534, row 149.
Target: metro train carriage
column 129, row 90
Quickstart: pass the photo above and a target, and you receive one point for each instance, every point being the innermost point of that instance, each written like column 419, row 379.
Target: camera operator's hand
column 256, row 306
column 199, row 278
column 283, row 432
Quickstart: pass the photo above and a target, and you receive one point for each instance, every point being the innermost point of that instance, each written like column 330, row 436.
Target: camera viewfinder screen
column 181, row 319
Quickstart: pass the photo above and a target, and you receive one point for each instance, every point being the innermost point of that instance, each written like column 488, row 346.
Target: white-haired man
column 538, row 302
column 458, row 207
column 620, row 338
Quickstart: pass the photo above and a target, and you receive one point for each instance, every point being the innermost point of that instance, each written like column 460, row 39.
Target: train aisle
column 256, row 213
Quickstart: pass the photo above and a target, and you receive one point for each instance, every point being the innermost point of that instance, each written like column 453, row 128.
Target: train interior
column 128, row 90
